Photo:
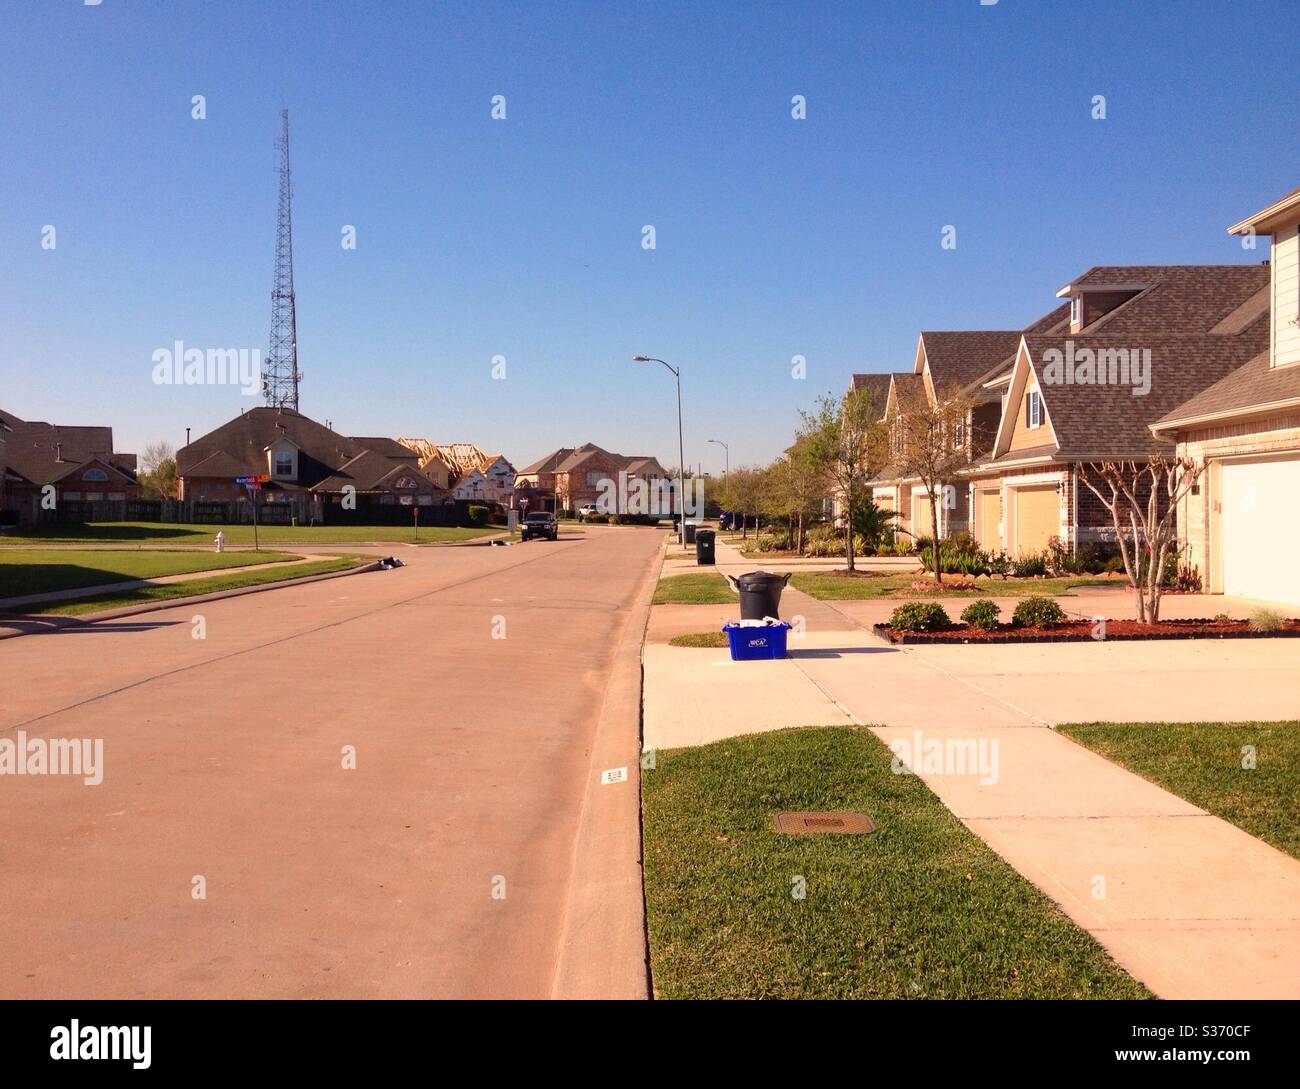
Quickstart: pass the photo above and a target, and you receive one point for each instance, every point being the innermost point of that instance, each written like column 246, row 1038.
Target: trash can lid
column 758, row 580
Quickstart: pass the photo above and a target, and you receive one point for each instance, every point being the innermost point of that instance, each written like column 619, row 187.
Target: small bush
column 998, row 563
column 1221, row 618
column 1029, row 567
column 1266, row 620
column 1189, row 579
column 982, row 614
column 920, row 616
column 1115, row 565
column 478, row 516
column 1037, row 611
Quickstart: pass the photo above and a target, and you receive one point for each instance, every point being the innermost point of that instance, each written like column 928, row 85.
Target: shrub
column 920, row 616
column 1029, row 567
column 1060, row 560
column 1037, row 611
column 1115, row 565
column 998, row 563
column 982, row 614
column 1221, row 618
column 478, row 516
column 774, row 542
column 1189, row 579
column 1266, row 620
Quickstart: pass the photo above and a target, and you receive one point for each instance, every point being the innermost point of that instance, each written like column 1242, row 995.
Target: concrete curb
column 603, row 952
column 176, row 602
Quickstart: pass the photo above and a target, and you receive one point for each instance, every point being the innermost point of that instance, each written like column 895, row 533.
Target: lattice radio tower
column 280, row 376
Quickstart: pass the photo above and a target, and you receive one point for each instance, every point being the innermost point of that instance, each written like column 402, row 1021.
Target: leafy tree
column 847, row 443
column 158, row 477
column 931, row 445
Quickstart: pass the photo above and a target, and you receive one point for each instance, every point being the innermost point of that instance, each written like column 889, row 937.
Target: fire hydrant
column 220, row 541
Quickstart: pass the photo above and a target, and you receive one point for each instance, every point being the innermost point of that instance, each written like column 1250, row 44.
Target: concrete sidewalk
column 1189, row 904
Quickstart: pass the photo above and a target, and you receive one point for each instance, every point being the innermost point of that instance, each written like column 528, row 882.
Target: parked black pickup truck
column 540, row 525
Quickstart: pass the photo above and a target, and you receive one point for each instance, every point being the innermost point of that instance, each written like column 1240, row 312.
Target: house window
column 594, row 477
column 284, row 463
column 1076, row 309
column 1034, row 409
column 96, row 475
column 72, row 496
column 959, row 435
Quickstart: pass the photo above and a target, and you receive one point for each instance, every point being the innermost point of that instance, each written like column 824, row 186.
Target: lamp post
column 681, row 450
column 727, row 451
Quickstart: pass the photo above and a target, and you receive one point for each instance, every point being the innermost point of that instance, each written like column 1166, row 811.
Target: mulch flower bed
column 1082, row 631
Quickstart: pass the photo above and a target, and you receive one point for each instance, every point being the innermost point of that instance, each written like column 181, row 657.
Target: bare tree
column 1143, row 500
column 847, row 444
column 932, row 446
column 157, row 474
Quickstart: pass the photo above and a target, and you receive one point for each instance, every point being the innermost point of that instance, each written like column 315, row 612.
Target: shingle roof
column 909, row 389
column 1109, row 418
column 1178, row 300
column 958, row 358
column 1253, row 385
column 238, row 447
column 548, row 464
column 40, row 452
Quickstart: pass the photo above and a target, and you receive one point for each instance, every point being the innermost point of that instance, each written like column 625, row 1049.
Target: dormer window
column 1034, row 410
column 1076, row 310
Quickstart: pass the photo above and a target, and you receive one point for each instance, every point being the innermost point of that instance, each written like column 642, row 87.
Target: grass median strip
column 1207, row 763
column 39, row 571
column 700, row 588
column 702, row 639
column 828, row 587
column 165, row 533
column 192, row 587
column 920, row 908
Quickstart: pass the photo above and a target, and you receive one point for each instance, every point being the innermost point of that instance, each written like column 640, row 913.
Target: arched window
column 97, row 476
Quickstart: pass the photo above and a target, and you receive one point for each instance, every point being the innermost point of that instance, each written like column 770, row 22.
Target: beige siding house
column 1242, row 520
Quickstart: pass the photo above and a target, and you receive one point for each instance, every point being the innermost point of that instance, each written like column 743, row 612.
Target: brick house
column 466, row 471
column 572, row 477
column 315, row 474
column 70, row 467
column 1240, row 522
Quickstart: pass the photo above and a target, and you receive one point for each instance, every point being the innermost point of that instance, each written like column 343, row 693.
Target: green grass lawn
column 697, row 588
column 190, row 587
column 705, row 639
column 920, row 908
column 1202, row 762
column 165, row 533
column 839, row 588
column 38, row 571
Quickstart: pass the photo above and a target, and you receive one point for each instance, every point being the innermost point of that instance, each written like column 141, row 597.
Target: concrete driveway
column 439, row 867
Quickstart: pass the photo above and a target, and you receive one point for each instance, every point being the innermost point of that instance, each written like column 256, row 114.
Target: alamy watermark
column 1098, row 367
column 921, row 755
column 82, row 756
column 182, row 366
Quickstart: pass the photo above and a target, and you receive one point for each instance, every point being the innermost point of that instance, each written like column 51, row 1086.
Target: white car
column 587, row 510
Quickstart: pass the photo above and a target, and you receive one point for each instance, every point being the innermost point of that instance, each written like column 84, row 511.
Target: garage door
column 1259, row 525
column 922, row 525
column 990, row 514
column 1038, row 518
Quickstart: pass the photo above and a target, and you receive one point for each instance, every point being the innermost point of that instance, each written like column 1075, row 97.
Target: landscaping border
column 922, row 638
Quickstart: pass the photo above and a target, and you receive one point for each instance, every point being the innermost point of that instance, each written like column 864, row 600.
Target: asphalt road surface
column 437, row 867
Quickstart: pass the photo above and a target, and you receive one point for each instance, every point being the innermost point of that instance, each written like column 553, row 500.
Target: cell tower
column 280, row 376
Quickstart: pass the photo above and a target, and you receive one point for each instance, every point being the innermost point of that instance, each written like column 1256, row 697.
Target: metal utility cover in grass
column 831, row 822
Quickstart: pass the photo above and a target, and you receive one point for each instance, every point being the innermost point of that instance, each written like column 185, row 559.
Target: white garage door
column 1260, row 524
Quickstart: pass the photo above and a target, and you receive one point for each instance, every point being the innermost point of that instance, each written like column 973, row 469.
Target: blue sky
column 522, row 237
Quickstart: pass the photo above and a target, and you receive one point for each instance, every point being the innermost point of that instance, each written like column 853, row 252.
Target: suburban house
column 466, row 471
column 1081, row 385
column 1241, row 520
column 56, row 471
column 969, row 364
column 574, row 476
column 312, row 473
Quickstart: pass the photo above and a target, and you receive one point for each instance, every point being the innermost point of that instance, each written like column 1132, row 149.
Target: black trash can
column 760, row 594
column 704, row 545
column 690, row 532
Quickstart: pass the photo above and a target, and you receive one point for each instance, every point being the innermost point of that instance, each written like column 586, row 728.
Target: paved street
column 224, row 757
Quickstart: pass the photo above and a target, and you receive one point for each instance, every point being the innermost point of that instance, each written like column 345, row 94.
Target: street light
column 681, row 450
column 726, row 450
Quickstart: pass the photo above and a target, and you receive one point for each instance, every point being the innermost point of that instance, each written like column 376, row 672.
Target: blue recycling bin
column 756, row 642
